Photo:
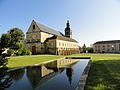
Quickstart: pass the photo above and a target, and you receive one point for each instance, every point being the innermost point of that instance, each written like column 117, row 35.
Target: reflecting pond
column 58, row 75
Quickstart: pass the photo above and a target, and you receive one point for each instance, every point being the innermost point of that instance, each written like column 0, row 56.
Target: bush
column 29, row 52
column 10, row 52
column 19, row 52
column 24, row 51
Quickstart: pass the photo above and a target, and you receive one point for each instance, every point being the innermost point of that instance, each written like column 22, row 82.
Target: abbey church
column 41, row 39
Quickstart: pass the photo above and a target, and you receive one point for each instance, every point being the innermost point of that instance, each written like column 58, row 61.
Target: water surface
column 57, row 75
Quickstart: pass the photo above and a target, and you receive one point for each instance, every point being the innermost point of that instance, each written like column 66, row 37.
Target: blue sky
column 90, row 20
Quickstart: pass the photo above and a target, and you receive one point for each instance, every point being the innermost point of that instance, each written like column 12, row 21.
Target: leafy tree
column 84, row 48
column 9, row 40
column 5, row 40
column 3, row 59
column 14, row 40
column 17, row 36
column 23, row 50
column 4, row 81
column 89, row 49
column 10, row 52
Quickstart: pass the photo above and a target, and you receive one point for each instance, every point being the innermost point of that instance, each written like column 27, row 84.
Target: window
column 59, row 44
column 67, row 33
column 33, row 26
column 63, row 44
column 103, row 45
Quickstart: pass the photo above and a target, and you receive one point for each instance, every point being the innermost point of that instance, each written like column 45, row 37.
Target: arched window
column 33, row 26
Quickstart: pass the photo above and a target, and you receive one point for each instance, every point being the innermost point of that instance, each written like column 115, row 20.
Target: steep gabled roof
column 48, row 29
column 107, row 42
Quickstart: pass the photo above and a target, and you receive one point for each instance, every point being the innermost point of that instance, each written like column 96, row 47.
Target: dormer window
column 33, row 26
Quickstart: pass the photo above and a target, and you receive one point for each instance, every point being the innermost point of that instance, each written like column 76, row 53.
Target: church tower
column 68, row 31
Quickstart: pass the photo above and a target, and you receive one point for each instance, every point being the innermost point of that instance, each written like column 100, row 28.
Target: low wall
column 83, row 77
column 78, row 58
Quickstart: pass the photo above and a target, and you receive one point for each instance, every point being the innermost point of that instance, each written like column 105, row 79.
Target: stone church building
column 41, row 39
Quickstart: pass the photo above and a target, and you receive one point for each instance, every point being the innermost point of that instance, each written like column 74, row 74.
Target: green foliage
column 89, row 49
column 10, row 52
column 26, row 51
column 5, row 40
column 4, row 81
column 14, row 40
column 84, row 48
column 3, row 59
column 17, row 36
column 23, row 50
column 29, row 52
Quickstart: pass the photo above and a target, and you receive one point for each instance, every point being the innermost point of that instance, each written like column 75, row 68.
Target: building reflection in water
column 17, row 74
column 38, row 75
column 69, row 73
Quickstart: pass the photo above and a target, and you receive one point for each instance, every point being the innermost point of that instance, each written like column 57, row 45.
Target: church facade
column 41, row 39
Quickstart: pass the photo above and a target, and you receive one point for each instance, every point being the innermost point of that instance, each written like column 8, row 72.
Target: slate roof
column 62, row 38
column 107, row 42
column 48, row 29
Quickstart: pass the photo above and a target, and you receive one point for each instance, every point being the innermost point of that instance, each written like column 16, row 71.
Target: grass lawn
column 19, row 61
column 104, row 72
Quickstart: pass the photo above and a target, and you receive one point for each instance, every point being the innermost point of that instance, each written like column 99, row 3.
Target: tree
column 84, row 48
column 9, row 40
column 90, row 49
column 5, row 40
column 23, row 50
column 4, row 81
column 14, row 41
column 17, row 36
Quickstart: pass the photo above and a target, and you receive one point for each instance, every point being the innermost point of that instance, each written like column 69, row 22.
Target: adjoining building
column 112, row 46
column 43, row 39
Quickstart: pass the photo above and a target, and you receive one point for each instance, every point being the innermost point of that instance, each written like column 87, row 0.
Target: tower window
column 67, row 33
column 33, row 26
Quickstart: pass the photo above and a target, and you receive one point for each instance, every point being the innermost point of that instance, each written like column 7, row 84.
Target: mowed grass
column 104, row 73
column 20, row 61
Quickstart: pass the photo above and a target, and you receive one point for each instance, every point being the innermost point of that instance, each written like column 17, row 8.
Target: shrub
column 10, row 52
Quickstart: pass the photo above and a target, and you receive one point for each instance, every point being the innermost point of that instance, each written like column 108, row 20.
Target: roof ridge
column 46, row 25
column 108, row 41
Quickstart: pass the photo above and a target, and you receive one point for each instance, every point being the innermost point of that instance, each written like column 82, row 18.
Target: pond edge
column 83, row 77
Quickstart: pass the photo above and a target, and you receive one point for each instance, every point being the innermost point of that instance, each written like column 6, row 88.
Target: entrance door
column 33, row 49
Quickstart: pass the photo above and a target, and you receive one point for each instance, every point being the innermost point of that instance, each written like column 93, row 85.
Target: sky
column 90, row 20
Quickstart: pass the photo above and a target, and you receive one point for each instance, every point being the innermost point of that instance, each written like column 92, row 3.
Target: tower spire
column 68, row 25
column 68, row 31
